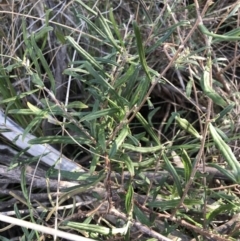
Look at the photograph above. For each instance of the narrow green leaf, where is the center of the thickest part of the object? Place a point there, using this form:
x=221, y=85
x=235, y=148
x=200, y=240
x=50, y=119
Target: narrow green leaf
x=164, y=204
x=18, y=215
x=7, y=91
x=226, y=172
x=209, y=91
x=123, y=80
x=37, y=80
x=222, y=209
x=187, y=165
x=222, y=134
x=74, y=176
x=94, y=228
x=174, y=174
x=148, y=128
x=115, y=27
x=92, y=25
x=226, y=151
x=77, y=104
x=84, y=53
x=23, y=183
x=139, y=94
x=151, y=114
x=34, y=109
x=21, y=112
x=142, y=149
x=147, y=163
x=29, y=49
x=20, y=96
x=42, y=32
x=35, y=122
x=100, y=113
x=90, y=10
x=119, y=140
x=225, y=111
x=131, y=81
x=170, y=204
x=77, y=190
x=59, y=140
x=102, y=138
x=43, y=114
x=94, y=161
x=169, y=122
x=130, y=165
x=140, y=48
x=60, y=36
x=103, y=83
x=232, y=36
x=129, y=199
x=145, y=10
x=185, y=125
x=191, y=220
x=108, y=31
x=142, y=217
x=45, y=65
x=189, y=88
x=108, y=59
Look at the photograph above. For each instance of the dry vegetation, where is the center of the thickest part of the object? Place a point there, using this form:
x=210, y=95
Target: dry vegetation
x=143, y=97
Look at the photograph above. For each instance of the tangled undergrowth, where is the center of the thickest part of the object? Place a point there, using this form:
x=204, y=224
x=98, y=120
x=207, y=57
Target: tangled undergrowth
x=143, y=97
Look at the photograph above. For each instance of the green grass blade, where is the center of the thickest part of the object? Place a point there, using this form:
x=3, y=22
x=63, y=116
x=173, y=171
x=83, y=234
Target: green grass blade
x=141, y=51
x=170, y=204
x=118, y=141
x=59, y=140
x=7, y=91
x=226, y=172
x=92, y=25
x=130, y=165
x=90, y=10
x=142, y=149
x=35, y=122
x=145, y=10
x=174, y=174
x=148, y=128
x=125, y=79
x=43, y=32
x=101, y=113
x=18, y=215
x=108, y=31
x=115, y=27
x=211, y=93
x=20, y=96
x=226, y=151
x=225, y=111
x=44, y=63
x=29, y=50
x=142, y=217
x=140, y=92
x=185, y=125
x=230, y=36
x=187, y=165
x=84, y=53
x=221, y=209
x=94, y=228
x=129, y=199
